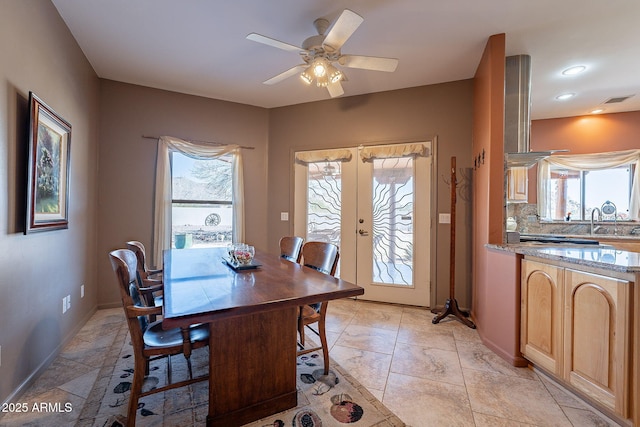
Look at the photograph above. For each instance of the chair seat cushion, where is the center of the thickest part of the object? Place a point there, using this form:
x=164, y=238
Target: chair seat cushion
x=309, y=314
x=155, y=336
x=199, y=332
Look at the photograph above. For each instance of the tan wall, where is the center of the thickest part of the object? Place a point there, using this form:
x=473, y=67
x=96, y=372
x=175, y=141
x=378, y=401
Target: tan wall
x=39, y=54
x=127, y=162
x=443, y=110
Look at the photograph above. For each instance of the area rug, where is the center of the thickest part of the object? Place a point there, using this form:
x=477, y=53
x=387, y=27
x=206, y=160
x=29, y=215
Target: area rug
x=336, y=399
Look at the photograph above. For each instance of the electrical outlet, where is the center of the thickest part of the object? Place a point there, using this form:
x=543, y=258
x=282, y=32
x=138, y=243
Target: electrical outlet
x=284, y=216
x=64, y=305
x=68, y=302
x=81, y=291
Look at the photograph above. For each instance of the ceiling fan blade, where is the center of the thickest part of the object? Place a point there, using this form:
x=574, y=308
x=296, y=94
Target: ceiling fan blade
x=374, y=63
x=346, y=24
x=273, y=42
x=335, y=89
x=285, y=75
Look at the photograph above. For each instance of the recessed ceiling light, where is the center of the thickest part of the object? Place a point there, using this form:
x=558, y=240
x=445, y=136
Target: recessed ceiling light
x=572, y=71
x=565, y=96
x=596, y=111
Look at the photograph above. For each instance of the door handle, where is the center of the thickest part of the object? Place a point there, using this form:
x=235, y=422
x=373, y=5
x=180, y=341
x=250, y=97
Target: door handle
x=363, y=232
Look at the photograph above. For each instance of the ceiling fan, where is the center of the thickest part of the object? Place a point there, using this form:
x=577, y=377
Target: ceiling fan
x=321, y=52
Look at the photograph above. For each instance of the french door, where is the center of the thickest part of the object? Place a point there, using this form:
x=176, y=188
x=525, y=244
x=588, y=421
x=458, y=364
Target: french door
x=374, y=203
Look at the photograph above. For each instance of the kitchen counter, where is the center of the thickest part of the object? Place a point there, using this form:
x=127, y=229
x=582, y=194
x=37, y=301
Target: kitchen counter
x=598, y=256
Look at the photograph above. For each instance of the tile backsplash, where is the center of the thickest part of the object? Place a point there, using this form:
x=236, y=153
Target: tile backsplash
x=526, y=215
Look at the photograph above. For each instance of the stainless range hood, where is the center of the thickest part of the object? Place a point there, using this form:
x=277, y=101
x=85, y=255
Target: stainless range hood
x=517, y=116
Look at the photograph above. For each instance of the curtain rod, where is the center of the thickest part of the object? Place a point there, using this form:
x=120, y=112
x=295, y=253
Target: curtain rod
x=205, y=142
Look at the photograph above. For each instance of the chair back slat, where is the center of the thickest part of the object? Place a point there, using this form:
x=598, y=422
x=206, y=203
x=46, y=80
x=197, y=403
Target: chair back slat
x=321, y=256
x=138, y=249
x=124, y=264
x=291, y=248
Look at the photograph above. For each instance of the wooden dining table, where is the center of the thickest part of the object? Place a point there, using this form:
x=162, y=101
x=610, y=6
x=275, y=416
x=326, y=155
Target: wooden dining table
x=252, y=316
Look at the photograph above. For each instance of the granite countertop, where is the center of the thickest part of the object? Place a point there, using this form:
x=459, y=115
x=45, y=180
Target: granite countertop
x=598, y=256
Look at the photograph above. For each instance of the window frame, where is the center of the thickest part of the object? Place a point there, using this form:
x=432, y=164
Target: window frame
x=583, y=190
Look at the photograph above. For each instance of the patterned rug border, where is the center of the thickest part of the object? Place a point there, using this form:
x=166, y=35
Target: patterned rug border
x=92, y=405
x=391, y=419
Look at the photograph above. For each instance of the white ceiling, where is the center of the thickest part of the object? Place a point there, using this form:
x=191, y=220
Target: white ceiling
x=198, y=46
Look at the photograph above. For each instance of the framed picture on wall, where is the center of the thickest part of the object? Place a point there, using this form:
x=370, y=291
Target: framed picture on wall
x=48, y=168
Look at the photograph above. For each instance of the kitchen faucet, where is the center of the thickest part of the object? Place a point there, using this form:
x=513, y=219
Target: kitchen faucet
x=599, y=218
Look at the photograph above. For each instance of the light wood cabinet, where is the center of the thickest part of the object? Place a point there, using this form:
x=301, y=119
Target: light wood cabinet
x=541, y=314
x=597, y=327
x=517, y=182
x=577, y=326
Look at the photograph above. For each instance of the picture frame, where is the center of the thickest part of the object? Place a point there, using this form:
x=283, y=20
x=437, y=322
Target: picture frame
x=48, y=168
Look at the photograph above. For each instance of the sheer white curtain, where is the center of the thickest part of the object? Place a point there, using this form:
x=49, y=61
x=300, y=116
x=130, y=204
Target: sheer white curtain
x=195, y=150
x=595, y=161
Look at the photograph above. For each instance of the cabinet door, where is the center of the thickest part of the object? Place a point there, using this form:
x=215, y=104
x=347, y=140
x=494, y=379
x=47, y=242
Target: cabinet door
x=597, y=354
x=541, y=315
x=517, y=182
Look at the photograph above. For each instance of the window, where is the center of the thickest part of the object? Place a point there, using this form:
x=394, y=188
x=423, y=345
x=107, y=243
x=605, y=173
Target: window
x=578, y=184
x=201, y=201
x=578, y=192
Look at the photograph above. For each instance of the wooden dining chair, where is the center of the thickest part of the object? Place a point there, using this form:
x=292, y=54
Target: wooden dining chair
x=291, y=248
x=323, y=257
x=150, y=284
x=141, y=255
x=149, y=340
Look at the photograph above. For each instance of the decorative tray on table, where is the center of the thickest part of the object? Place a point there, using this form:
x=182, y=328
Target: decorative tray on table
x=238, y=267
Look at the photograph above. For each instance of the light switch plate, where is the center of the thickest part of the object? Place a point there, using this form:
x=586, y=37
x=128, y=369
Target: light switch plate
x=444, y=218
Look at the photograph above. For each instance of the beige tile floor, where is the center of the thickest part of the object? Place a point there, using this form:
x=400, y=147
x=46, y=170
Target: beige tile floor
x=428, y=375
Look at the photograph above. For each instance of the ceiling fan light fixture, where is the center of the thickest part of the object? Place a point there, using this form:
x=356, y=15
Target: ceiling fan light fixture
x=322, y=81
x=322, y=51
x=307, y=76
x=335, y=75
x=320, y=67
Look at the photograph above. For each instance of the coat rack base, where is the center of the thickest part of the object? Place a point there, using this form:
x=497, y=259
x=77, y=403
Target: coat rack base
x=451, y=308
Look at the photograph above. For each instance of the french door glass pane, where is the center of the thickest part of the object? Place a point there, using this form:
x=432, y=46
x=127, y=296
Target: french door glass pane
x=393, y=195
x=324, y=202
